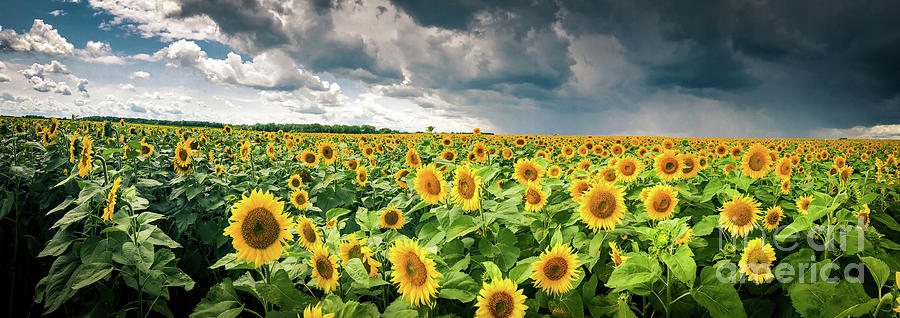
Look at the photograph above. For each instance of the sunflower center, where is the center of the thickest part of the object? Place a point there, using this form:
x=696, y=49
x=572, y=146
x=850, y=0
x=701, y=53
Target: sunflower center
x=144, y=149
x=501, y=305
x=300, y=198
x=555, y=268
x=772, y=218
x=391, y=217
x=604, y=205
x=757, y=161
x=466, y=188
x=324, y=267
x=309, y=234
x=529, y=174
x=432, y=185
x=295, y=183
x=804, y=205
x=688, y=166
x=355, y=252
x=785, y=169
x=260, y=229
x=661, y=204
x=580, y=188
x=670, y=166
x=533, y=196
x=415, y=269
x=741, y=214
x=182, y=154
x=628, y=169
x=610, y=176
x=309, y=158
x=327, y=152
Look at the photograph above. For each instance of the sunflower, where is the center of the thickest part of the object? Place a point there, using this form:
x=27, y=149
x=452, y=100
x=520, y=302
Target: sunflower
x=328, y=152
x=500, y=299
x=430, y=184
x=602, y=206
x=756, y=261
x=845, y=173
x=773, y=218
x=554, y=272
x=803, y=204
x=85, y=164
x=392, y=218
x=146, y=149
x=577, y=189
x=324, y=268
x=300, y=199
x=863, y=215
x=258, y=227
x=111, y=200
x=182, y=159
x=309, y=234
x=414, y=274
x=689, y=165
x=356, y=248
x=506, y=153
x=535, y=198
x=686, y=237
x=668, y=166
x=480, y=152
x=294, y=182
x=466, y=188
x=661, y=201
x=756, y=162
x=616, y=254
x=314, y=311
x=628, y=169
x=398, y=178
x=739, y=215
x=309, y=158
x=351, y=164
x=219, y=169
x=449, y=155
x=783, y=168
x=554, y=171
x=527, y=171
x=786, y=186
x=362, y=176
x=413, y=159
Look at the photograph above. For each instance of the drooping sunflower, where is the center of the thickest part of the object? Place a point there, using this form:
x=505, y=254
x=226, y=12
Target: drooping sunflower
x=668, y=166
x=300, y=199
x=628, y=169
x=258, y=228
x=773, y=218
x=689, y=165
x=324, y=268
x=466, y=190
x=362, y=176
x=414, y=274
x=784, y=168
x=392, y=218
x=412, y=158
x=577, y=189
x=863, y=216
x=602, y=206
x=146, y=149
x=527, y=171
x=328, y=152
x=554, y=272
x=430, y=184
x=686, y=237
x=500, y=299
x=803, y=204
x=85, y=163
x=740, y=215
x=351, y=248
x=309, y=234
x=756, y=261
x=111, y=200
x=295, y=182
x=182, y=159
x=661, y=201
x=535, y=198
x=756, y=162
x=616, y=254
x=398, y=178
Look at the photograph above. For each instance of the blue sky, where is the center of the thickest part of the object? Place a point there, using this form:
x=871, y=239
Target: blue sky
x=717, y=68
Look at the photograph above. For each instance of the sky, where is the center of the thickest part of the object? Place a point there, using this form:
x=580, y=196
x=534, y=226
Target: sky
x=714, y=68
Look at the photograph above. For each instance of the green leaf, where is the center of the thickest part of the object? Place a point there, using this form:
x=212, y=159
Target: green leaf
x=90, y=273
x=335, y=213
x=570, y=305
x=682, y=264
x=220, y=299
x=355, y=269
x=491, y=271
x=710, y=190
x=462, y=225
x=721, y=299
x=74, y=215
x=706, y=225
x=639, y=270
x=825, y=299
x=400, y=308
x=459, y=286
x=58, y=244
x=878, y=268
x=22, y=172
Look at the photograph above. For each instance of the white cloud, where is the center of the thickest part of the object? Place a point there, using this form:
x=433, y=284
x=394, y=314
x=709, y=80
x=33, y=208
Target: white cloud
x=127, y=87
x=38, y=76
x=149, y=19
x=99, y=52
x=139, y=74
x=891, y=131
x=56, y=13
x=271, y=70
x=4, y=78
x=41, y=38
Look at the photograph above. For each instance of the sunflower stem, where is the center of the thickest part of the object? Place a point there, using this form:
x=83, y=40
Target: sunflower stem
x=668, y=292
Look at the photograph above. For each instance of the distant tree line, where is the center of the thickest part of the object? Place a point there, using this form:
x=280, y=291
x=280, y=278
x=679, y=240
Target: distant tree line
x=304, y=128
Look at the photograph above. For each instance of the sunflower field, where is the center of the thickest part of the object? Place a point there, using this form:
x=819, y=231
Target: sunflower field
x=118, y=219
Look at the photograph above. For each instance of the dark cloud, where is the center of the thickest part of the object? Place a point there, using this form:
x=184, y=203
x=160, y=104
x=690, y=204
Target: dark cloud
x=241, y=18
